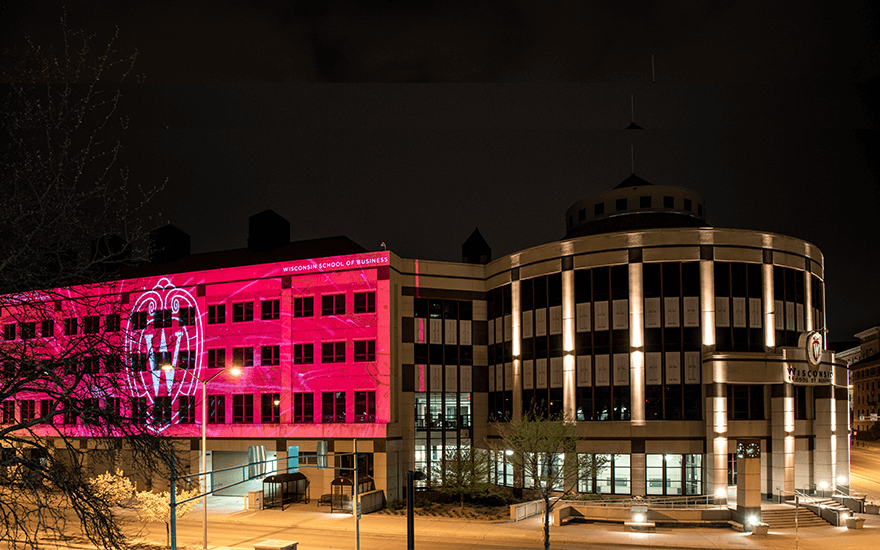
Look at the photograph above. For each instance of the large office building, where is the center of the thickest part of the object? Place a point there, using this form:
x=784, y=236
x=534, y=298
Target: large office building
x=666, y=340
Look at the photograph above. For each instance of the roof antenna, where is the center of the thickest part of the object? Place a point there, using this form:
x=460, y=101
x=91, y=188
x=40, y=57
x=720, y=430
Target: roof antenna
x=632, y=110
x=653, y=72
x=632, y=159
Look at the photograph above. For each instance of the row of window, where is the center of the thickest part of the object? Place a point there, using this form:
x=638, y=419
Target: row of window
x=364, y=302
x=331, y=352
x=162, y=412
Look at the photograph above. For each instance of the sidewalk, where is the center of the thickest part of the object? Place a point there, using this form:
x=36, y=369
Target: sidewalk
x=498, y=534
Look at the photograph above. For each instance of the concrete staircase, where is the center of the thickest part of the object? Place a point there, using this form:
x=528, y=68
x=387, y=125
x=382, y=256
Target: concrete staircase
x=783, y=518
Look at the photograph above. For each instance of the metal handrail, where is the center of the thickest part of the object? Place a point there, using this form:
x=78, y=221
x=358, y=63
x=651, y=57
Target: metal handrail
x=690, y=501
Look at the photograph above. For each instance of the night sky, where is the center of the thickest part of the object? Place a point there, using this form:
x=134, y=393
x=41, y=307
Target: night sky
x=414, y=125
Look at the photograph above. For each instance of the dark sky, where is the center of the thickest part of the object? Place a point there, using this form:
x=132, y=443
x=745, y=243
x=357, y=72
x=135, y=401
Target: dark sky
x=413, y=125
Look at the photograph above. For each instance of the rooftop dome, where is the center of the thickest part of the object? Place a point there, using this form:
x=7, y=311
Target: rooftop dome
x=635, y=204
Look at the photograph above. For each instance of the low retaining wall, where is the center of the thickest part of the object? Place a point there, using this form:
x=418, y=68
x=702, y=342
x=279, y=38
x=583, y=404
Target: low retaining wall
x=620, y=514
x=372, y=501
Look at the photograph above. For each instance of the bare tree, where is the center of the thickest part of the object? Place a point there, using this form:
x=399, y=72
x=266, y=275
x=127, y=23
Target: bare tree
x=462, y=472
x=543, y=452
x=68, y=219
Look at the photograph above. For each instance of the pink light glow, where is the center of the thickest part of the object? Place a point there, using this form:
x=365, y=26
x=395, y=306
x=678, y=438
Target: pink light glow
x=291, y=284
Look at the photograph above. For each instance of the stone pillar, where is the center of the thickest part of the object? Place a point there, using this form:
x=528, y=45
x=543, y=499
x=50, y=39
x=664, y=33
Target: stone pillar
x=569, y=381
x=825, y=443
x=716, y=435
x=782, y=432
x=637, y=344
x=516, y=347
x=748, y=481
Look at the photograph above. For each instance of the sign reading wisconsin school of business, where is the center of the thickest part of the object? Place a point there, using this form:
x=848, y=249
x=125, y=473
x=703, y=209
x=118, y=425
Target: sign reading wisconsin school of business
x=812, y=372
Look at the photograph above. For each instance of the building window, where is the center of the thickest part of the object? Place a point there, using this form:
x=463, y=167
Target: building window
x=162, y=411
x=111, y=409
x=9, y=332
x=365, y=302
x=138, y=411
x=47, y=329
x=162, y=318
x=270, y=309
x=216, y=409
x=333, y=407
x=28, y=331
x=139, y=320
x=217, y=314
x=28, y=410
x=162, y=358
x=304, y=307
x=186, y=409
x=745, y=402
x=91, y=364
x=139, y=362
x=599, y=208
x=270, y=408
x=216, y=358
x=333, y=352
x=242, y=312
x=620, y=204
x=365, y=351
x=7, y=412
x=91, y=413
x=186, y=359
x=270, y=355
x=668, y=202
x=91, y=324
x=672, y=474
x=303, y=354
x=303, y=408
x=242, y=357
x=46, y=410
x=112, y=322
x=243, y=408
x=364, y=406
x=186, y=317
x=614, y=478
x=70, y=326
x=333, y=305
x=687, y=204
x=645, y=202
x=112, y=363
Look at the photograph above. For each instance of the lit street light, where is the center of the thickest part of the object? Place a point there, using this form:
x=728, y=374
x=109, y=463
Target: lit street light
x=204, y=459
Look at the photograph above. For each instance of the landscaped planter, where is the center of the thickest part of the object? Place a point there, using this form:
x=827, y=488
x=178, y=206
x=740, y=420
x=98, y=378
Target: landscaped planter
x=760, y=529
x=855, y=523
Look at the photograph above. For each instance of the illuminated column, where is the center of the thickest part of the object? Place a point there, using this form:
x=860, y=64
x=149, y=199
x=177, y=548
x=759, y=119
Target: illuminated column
x=637, y=344
x=824, y=430
x=808, y=298
x=843, y=435
x=569, y=401
x=769, y=309
x=707, y=301
x=516, y=324
x=716, y=387
x=782, y=430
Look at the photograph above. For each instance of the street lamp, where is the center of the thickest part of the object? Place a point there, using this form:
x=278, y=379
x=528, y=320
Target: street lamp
x=204, y=466
x=410, y=496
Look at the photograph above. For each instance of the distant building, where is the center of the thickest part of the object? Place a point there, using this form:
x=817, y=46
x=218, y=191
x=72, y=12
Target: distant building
x=865, y=380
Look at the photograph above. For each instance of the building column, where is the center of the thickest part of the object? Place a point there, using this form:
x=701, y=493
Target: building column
x=569, y=382
x=769, y=308
x=637, y=344
x=782, y=433
x=715, y=385
x=824, y=450
x=516, y=348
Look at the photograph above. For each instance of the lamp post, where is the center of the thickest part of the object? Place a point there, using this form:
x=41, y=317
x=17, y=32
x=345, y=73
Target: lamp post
x=410, y=495
x=204, y=459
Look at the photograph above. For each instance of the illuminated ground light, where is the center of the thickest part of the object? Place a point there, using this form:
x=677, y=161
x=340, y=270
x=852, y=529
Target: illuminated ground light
x=639, y=518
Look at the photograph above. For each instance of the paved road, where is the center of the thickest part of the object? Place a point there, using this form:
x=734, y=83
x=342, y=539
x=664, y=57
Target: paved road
x=865, y=471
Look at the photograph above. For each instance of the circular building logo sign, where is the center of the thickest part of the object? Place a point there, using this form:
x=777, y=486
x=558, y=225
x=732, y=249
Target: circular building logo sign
x=814, y=348
x=164, y=329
